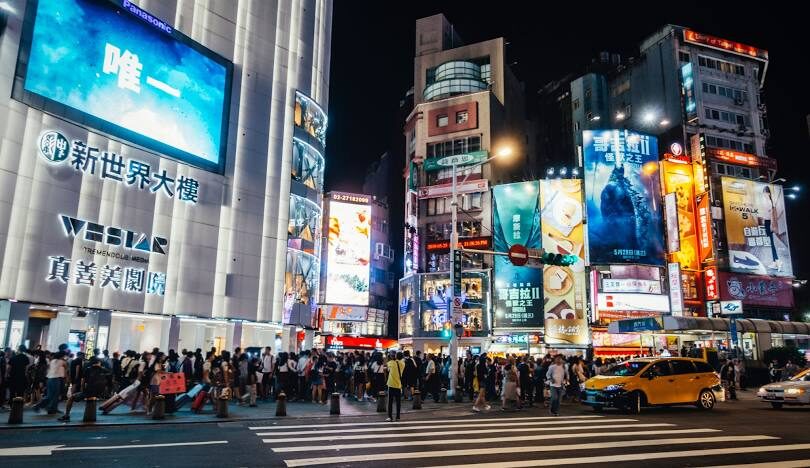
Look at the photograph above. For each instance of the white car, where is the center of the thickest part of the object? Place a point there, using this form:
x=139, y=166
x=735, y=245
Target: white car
x=795, y=391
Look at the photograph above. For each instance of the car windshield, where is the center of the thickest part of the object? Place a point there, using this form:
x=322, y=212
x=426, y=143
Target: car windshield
x=626, y=369
x=803, y=376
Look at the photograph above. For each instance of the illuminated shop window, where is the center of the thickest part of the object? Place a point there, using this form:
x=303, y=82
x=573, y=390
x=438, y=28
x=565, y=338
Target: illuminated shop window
x=310, y=117
x=307, y=165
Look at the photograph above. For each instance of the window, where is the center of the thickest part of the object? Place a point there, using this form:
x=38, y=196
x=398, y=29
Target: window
x=453, y=147
x=726, y=116
x=682, y=366
x=721, y=65
x=576, y=104
x=472, y=202
x=738, y=95
x=461, y=117
x=588, y=93
x=659, y=369
x=441, y=120
x=683, y=56
x=703, y=367
x=721, y=169
x=744, y=172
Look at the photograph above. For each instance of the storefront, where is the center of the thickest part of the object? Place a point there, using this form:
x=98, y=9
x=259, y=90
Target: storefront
x=337, y=343
x=753, y=336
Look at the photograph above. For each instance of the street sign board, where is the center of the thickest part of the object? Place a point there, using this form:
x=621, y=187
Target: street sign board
x=731, y=308
x=518, y=254
x=434, y=164
x=457, y=273
x=457, y=309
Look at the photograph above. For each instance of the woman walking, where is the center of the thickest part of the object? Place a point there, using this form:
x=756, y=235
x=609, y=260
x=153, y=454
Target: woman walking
x=481, y=375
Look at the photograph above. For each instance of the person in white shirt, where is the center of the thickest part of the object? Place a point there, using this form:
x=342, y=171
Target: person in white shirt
x=557, y=377
x=57, y=372
x=268, y=361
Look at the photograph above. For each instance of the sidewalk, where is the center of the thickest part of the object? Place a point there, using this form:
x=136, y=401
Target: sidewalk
x=265, y=410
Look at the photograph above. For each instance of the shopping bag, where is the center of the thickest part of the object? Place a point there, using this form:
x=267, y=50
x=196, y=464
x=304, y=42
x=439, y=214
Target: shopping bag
x=172, y=383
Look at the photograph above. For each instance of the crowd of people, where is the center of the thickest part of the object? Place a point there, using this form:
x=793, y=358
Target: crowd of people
x=44, y=378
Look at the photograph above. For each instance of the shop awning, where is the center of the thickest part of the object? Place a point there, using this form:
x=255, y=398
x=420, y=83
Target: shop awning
x=705, y=324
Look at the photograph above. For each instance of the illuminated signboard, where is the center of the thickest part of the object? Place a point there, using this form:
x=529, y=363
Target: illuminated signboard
x=678, y=185
x=357, y=342
x=349, y=249
x=444, y=190
x=736, y=157
x=117, y=69
x=443, y=246
x=704, y=228
x=630, y=285
x=712, y=293
x=675, y=288
x=756, y=228
x=671, y=216
x=688, y=92
x=632, y=302
x=516, y=220
x=622, y=197
x=563, y=230
x=724, y=44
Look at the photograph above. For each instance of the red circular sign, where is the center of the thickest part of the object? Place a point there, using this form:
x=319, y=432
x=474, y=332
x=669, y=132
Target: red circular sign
x=518, y=254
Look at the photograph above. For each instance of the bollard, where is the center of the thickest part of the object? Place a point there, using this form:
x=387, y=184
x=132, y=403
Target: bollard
x=334, y=404
x=381, y=406
x=222, y=406
x=90, y=405
x=159, y=407
x=417, y=399
x=281, y=404
x=443, y=395
x=16, y=414
x=458, y=397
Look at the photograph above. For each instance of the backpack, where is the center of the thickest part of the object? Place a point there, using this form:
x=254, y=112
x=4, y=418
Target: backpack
x=132, y=371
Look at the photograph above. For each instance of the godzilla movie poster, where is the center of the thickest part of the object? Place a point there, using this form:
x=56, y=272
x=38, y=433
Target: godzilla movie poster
x=622, y=197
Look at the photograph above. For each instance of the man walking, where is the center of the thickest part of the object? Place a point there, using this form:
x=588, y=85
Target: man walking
x=94, y=380
x=395, y=368
x=268, y=363
x=558, y=380
x=57, y=371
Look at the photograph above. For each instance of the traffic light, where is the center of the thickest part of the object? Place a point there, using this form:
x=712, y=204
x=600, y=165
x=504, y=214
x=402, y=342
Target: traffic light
x=447, y=331
x=548, y=258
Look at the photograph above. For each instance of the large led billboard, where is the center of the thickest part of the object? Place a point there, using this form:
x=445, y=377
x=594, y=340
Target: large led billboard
x=348, y=253
x=678, y=179
x=516, y=220
x=756, y=228
x=622, y=197
x=562, y=227
x=115, y=68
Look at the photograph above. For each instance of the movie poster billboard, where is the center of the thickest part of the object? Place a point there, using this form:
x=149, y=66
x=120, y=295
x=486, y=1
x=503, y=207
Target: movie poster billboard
x=756, y=228
x=563, y=287
x=678, y=179
x=516, y=220
x=622, y=197
x=349, y=249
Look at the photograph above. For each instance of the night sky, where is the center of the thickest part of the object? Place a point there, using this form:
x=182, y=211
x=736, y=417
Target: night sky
x=372, y=67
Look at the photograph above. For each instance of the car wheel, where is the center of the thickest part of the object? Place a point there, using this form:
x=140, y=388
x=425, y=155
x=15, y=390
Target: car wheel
x=706, y=400
x=597, y=409
x=777, y=405
x=634, y=403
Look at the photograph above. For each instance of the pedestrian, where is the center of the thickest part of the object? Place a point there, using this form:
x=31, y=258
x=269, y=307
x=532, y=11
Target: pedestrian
x=94, y=381
x=558, y=380
x=727, y=378
x=17, y=374
x=330, y=373
x=268, y=365
x=317, y=380
x=395, y=368
x=481, y=375
x=790, y=370
x=359, y=373
x=431, y=377
x=739, y=374
x=511, y=392
x=57, y=372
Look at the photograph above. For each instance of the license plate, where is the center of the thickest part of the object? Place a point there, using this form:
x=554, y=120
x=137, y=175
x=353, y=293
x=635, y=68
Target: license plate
x=771, y=396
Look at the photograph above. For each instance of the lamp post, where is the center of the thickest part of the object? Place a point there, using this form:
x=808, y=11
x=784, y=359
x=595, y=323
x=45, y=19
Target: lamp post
x=453, y=348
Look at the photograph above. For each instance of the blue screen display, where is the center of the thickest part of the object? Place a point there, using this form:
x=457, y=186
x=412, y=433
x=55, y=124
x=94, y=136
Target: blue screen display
x=130, y=75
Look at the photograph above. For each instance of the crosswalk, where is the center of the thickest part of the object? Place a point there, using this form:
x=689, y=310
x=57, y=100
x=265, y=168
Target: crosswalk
x=513, y=442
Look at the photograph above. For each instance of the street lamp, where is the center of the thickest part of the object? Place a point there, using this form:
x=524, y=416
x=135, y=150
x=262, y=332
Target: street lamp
x=503, y=151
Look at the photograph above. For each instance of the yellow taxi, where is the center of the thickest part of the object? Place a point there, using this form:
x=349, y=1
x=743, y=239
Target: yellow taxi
x=641, y=382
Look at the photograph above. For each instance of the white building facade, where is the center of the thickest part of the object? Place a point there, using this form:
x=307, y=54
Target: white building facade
x=112, y=240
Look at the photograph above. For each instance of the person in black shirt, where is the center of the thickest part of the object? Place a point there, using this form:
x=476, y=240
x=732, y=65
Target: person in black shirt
x=93, y=382
x=329, y=373
x=481, y=374
x=75, y=370
x=469, y=372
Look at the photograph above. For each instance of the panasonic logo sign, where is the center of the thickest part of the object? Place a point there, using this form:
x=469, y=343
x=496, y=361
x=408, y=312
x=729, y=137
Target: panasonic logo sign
x=113, y=236
x=147, y=17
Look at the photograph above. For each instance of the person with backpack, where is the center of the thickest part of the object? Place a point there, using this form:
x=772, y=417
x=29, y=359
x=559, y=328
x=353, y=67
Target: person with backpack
x=395, y=368
x=408, y=376
x=93, y=384
x=359, y=372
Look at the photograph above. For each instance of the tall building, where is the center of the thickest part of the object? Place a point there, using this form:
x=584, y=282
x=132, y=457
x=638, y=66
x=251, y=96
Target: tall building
x=466, y=101
x=162, y=176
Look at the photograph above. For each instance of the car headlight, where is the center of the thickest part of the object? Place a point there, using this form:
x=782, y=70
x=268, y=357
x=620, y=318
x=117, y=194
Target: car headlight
x=614, y=387
x=794, y=391
x=762, y=390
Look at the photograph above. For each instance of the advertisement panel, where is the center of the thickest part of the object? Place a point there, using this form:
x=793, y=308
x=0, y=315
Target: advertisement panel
x=675, y=288
x=333, y=343
x=688, y=92
x=710, y=277
x=630, y=285
x=704, y=228
x=756, y=228
x=562, y=232
x=435, y=301
x=622, y=197
x=348, y=252
x=678, y=180
x=516, y=220
x=756, y=290
x=126, y=73
x=633, y=302
x=345, y=313
x=671, y=217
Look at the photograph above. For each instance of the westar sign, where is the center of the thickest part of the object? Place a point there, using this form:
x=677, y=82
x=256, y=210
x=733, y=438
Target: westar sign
x=114, y=236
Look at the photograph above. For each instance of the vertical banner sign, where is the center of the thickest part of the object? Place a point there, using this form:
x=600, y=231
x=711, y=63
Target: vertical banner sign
x=675, y=288
x=688, y=92
x=678, y=181
x=516, y=220
x=756, y=228
x=710, y=275
x=704, y=228
x=671, y=216
x=622, y=197
x=562, y=231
